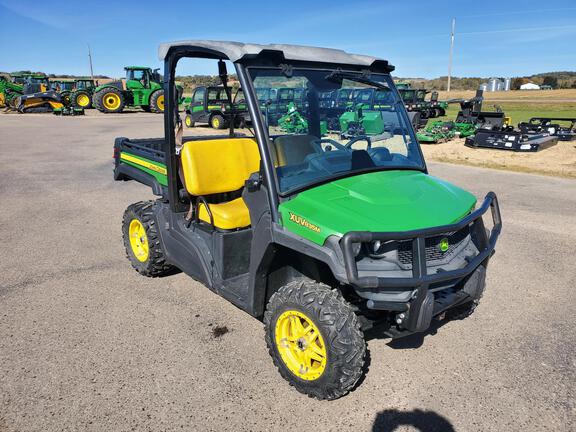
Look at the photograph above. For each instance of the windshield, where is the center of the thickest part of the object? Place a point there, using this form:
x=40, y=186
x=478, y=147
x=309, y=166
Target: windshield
x=327, y=124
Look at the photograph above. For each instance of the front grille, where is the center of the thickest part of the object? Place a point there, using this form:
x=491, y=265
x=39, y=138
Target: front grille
x=433, y=251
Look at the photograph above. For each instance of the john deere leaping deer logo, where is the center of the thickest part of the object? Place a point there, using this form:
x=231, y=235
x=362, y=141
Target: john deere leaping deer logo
x=301, y=221
x=444, y=245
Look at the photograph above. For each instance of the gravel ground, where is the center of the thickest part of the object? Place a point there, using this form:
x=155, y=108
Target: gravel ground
x=88, y=344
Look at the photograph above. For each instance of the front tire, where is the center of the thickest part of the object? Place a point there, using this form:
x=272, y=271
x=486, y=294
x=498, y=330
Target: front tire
x=157, y=102
x=314, y=338
x=142, y=240
x=188, y=121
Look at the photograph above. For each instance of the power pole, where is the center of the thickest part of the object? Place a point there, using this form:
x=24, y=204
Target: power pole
x=90, y=59
x=451, y=53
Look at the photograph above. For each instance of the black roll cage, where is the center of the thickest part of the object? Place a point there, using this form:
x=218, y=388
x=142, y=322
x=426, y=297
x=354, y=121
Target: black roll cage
x=266, y=58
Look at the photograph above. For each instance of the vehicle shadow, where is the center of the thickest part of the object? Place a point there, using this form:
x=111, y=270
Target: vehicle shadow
x=391, y=420
x=412, y=341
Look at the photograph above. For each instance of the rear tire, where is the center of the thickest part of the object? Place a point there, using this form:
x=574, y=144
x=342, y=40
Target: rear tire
x=217, y=122
x=331, y=324
x=109, y=100
x=142, y=240
x=157, y=102
x=81, y=99
x=65, y=98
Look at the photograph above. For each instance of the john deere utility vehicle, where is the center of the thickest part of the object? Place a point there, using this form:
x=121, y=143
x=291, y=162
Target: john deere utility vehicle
x=320, y=237
x=143, y=88
x=211, y=105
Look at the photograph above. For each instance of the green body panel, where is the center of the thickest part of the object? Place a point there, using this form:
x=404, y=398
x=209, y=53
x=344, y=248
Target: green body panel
x=155, y=169
x=380, y=201
x=140, y=95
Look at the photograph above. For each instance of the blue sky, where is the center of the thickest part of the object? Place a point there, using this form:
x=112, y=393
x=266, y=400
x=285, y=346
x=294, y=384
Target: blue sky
x=492, y=38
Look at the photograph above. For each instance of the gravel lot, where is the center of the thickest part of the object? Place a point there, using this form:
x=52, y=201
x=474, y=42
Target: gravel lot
x=88, y=344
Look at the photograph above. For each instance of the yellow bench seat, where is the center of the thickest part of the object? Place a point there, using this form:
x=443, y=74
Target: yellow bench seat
x=228, y=215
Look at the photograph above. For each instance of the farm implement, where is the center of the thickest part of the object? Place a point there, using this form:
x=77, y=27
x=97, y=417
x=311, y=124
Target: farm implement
x=562, y=128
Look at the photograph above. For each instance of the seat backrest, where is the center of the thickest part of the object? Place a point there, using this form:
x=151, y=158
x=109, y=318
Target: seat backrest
x=218, y=165
x=293, y=149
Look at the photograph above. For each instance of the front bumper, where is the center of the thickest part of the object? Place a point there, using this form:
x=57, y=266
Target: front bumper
x=421, y=308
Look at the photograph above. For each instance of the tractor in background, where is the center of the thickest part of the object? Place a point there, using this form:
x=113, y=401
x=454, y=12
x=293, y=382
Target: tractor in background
x=81, y=96
x=142, y=88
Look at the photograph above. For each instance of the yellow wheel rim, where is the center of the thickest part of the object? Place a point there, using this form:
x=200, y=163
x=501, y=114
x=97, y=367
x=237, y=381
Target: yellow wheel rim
x=111, y=101
x=216, y=122
x=300, y=345
x=188, y=121
x=160, y=102
x=83, y=100
x=138, y=240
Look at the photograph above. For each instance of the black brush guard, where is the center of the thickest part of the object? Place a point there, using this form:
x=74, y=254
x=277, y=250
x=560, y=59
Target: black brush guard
x=421, y=307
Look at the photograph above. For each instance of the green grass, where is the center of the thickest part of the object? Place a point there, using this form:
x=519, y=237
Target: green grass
x=522, y=111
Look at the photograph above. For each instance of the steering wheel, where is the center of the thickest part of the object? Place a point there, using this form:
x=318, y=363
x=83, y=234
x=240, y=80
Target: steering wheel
x=359, y=138
x=331, y=142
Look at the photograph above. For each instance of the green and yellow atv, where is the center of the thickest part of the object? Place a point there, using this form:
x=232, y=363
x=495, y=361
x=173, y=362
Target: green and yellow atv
x=320, y=237
x=209, y=105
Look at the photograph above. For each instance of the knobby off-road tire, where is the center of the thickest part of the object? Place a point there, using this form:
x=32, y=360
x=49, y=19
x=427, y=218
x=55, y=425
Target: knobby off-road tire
x=153, y=263
x=157, y=102
x=81, y=99
x=109, y=100
x=339, y=329
x=189, y=122
x=463, y=311
x=217, y=122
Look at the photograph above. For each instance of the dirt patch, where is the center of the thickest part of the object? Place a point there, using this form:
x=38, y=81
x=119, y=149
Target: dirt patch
x=559, y=160
x=219, y=331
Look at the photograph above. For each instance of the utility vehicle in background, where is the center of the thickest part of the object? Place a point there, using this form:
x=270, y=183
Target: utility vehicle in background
x=210, y=105
x=321, y=237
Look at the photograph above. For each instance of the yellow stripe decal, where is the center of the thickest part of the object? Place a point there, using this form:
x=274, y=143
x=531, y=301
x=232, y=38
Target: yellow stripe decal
x=145, y=164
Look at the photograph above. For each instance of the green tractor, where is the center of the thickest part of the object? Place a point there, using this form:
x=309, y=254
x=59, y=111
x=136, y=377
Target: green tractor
x=64, y=87
x=143, y=88
x=81, y=96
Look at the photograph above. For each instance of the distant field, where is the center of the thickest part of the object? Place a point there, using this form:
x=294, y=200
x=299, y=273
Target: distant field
x=538, y=96
x=523, y=111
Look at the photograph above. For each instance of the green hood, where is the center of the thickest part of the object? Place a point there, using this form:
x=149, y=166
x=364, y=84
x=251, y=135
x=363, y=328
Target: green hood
x=379, y=201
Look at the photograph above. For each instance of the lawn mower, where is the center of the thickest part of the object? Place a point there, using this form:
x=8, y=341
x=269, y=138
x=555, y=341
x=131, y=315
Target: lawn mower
x=320, y=237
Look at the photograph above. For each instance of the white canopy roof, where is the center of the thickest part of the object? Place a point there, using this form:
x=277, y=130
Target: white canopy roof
x=236, y=50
